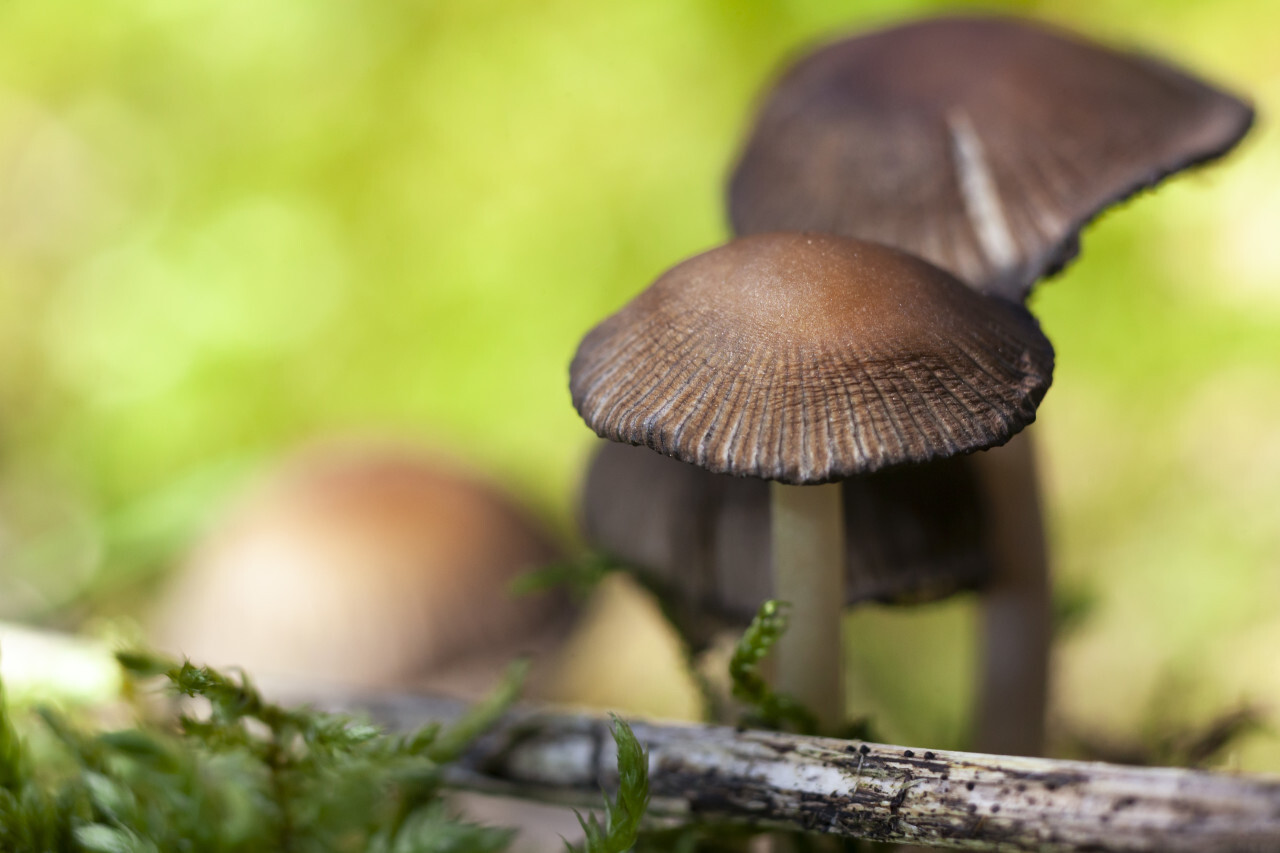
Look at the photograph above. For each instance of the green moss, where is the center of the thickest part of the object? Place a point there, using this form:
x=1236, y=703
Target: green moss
x=768, y=709
x=621, y=828
x=248, y=775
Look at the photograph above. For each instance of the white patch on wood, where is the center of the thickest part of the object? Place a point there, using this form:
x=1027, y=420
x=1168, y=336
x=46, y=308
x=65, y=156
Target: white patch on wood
x=978, y=189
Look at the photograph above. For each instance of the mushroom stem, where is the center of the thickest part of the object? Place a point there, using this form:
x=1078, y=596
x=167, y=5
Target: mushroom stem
x=808, y=572
x=1014, y=677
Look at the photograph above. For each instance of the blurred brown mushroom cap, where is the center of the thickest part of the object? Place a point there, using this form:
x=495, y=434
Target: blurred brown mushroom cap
x=810, y=357
x=363, y=564
x=983, y=145
x=915, y=533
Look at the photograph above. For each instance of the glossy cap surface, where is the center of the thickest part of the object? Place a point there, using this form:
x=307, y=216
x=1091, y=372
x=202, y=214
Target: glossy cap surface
x=809, y=357
x=983, y=145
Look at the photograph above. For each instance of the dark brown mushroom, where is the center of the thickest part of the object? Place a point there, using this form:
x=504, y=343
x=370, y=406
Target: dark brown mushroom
x=983, y=145
x=803, y=359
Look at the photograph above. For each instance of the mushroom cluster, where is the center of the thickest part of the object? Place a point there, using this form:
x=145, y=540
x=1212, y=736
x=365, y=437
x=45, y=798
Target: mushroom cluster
x=972, y=151
x=803, y=359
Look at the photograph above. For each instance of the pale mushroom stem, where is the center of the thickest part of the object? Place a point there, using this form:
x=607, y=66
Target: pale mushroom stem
x=1016, y=608
x=808, y=572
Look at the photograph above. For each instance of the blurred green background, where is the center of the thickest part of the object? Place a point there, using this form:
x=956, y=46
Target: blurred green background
x=229, y=227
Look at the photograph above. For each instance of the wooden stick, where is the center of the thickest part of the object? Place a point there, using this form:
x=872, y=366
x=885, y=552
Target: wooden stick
x=868, y=790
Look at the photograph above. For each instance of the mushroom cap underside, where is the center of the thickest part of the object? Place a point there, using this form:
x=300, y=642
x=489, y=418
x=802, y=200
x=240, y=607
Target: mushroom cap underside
x=914, y=533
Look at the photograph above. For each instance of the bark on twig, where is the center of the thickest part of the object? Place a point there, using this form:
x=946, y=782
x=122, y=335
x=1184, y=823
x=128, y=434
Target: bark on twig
x=869, y=790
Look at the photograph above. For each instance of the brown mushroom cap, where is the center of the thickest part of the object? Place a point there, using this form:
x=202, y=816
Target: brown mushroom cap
x=983, y=145
x=363, y=563
x=810, y=357
x=915, y=533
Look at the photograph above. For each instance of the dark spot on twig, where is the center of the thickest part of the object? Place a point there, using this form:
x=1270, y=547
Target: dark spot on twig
x=909, y=754
x=968, y=786
x=1054, y=781
x=864, y=749
x=929, y=756
x=780, y=747
x=1123, y=803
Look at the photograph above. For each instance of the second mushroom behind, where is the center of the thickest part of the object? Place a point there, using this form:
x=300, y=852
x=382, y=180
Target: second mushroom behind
x=804, y=359
x=701, y=541
x=984, y=144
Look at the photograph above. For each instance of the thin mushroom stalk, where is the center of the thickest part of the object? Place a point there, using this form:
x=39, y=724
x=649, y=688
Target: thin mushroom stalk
x=1016, y=608
x=808, y=573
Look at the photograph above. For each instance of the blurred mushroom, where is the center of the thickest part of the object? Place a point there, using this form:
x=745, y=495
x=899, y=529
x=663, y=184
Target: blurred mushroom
x=803, y=359
x=984, y=145
x=365, y=565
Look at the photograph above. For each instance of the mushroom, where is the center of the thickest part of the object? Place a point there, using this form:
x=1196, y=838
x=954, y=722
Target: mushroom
x=804, y=359
x=365, y=564
x=984, y=145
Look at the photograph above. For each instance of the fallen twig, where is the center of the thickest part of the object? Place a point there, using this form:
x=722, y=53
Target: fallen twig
x=867, y=790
